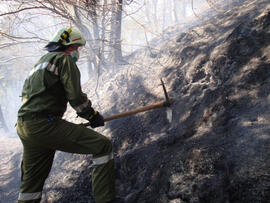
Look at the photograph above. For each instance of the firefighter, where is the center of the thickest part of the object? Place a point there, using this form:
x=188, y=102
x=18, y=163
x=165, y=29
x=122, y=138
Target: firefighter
x=54, y=81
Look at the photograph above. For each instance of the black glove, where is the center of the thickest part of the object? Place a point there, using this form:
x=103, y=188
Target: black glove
x=96, y=120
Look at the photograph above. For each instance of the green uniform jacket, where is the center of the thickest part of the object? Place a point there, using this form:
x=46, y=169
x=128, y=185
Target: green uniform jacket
x=54, y=81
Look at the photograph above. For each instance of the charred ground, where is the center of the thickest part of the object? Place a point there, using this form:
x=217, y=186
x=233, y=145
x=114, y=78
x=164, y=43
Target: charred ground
x=217, y=147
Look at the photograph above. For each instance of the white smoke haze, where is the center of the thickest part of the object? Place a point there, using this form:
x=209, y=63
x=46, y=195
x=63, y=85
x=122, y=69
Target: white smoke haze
x=142, y=21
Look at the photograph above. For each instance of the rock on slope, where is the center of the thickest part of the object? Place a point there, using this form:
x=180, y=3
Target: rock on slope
x=217, y=147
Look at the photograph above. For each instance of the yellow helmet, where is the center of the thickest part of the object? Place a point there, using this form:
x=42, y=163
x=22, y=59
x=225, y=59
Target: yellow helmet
x=68, y=36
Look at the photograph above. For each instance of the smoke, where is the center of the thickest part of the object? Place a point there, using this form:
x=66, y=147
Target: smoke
x=10, y=106
x=143, y=21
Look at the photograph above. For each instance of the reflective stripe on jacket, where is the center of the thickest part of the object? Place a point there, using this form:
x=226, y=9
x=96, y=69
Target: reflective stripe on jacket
x=54, y=81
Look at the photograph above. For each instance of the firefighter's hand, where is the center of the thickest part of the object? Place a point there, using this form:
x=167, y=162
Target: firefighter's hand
x=96, y=120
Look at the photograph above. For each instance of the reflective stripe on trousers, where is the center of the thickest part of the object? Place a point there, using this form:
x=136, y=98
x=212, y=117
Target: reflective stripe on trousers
x=103, y=159
x=29, y=196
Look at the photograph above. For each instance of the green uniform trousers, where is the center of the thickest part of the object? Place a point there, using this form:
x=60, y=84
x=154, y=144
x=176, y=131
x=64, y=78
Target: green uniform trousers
x=42, y=137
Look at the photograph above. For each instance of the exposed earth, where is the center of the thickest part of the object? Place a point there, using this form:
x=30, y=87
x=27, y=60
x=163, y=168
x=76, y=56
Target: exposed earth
x=216, y=150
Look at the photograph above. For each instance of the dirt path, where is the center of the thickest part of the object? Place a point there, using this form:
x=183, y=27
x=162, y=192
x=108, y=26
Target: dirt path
x=10, y=158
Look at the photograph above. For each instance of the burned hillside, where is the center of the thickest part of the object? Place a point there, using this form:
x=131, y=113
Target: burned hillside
x=216, y=148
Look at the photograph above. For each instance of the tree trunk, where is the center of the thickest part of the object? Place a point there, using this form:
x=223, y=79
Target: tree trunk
x=99, y=40
x=183, y=9
x=2, y=121
x=164, y=17
x=115, y=34
x=175, y=9
x=155, y=14
x=92, y=49
x=147, y=12
x=103, y=34
x=169, y=13
x=118, y=30
x=90, y=68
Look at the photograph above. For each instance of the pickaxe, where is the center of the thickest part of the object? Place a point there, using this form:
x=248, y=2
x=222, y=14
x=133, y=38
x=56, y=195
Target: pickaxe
x=167, y=103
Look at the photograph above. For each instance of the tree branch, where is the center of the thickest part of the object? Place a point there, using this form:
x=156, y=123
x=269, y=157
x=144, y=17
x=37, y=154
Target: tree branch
x=19, y=38
x=20, y=10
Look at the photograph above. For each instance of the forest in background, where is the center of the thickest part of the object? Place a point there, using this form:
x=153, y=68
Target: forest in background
x=114, y=29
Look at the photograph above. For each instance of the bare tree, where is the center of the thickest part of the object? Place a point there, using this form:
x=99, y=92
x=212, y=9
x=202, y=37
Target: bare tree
x=183, y=7
x=116, y=30
x=155, y=13
x=2, y=121
x=3, y=89
x=88, y=17
x=175, y=9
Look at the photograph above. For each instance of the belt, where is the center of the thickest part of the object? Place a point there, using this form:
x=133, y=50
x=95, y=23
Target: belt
x=34, y=116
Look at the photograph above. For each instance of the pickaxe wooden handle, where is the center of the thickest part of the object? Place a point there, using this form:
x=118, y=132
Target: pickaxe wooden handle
x=165, y=103
x=138, y=110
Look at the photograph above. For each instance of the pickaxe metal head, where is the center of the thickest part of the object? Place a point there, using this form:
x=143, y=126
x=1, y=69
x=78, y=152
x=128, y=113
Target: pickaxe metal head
x=168, y=102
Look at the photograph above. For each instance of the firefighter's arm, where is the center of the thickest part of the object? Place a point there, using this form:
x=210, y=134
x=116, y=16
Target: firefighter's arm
x=70, y=78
